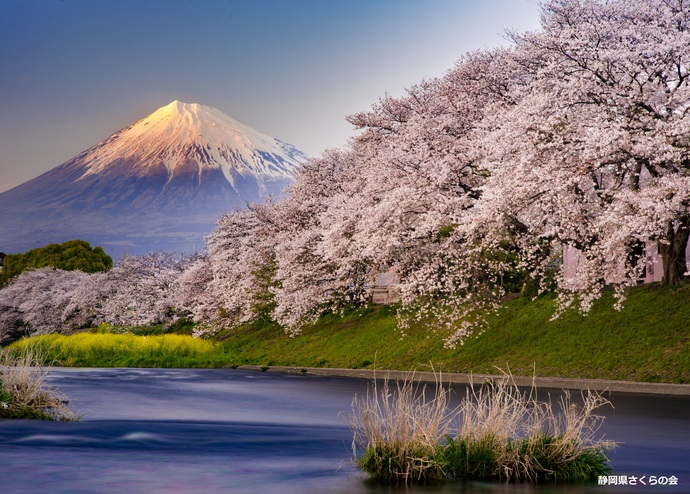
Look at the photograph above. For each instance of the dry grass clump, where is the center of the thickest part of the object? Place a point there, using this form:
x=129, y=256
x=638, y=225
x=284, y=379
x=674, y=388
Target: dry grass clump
x=498, y=432
x=24, y=392
x=401, y=432
x=509, y=434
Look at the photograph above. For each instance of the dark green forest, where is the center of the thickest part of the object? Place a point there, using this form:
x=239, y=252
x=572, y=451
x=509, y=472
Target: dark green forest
x=71, y=255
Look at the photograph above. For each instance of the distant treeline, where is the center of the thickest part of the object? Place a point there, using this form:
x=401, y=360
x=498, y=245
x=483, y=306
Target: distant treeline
x=69, y=256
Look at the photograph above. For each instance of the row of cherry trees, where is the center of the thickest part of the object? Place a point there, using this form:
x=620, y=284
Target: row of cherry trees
x=473, y=184
x=143, y=290
x=578, y=136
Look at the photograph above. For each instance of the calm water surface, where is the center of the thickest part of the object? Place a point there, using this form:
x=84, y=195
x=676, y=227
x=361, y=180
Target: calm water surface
x=218, y=431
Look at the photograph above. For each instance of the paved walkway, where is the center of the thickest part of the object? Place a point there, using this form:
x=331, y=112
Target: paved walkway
x=540, y=382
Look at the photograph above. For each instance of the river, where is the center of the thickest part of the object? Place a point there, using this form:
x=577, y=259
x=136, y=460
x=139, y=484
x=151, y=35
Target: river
x=232, y=431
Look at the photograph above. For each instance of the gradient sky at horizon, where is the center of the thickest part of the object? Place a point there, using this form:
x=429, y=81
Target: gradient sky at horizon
x=75, y=71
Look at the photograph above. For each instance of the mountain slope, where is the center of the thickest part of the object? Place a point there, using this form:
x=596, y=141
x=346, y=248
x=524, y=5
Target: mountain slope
x=158, y=184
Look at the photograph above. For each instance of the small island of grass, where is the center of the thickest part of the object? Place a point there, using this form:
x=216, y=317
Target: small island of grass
x=498, y=432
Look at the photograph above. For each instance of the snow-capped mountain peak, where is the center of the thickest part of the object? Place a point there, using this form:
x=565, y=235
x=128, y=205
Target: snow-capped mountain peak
x=159, y=184
x=180, y=133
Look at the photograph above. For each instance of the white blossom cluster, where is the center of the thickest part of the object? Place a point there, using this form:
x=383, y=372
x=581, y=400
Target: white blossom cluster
x=137, y=291
x=575, y=137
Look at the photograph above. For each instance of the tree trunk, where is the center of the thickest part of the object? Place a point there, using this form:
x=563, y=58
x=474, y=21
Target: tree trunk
x=673, y=251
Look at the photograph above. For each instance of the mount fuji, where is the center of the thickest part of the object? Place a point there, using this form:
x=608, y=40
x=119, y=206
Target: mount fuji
x=159, y=184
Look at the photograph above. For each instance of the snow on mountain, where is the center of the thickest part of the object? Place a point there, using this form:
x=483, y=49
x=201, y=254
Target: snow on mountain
x=179, y=131
x=159, y=184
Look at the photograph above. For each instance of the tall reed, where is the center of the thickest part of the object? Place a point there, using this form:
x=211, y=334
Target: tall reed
x=506, y=433
x=24, y=391
x=401, y=431
x=498, y=432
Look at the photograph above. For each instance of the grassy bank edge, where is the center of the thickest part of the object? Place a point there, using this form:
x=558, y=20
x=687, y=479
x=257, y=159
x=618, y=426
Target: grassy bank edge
x=601, y=385
x=647, y=342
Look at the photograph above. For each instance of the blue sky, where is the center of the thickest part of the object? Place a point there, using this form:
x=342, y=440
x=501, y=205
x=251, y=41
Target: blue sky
x=75, y=71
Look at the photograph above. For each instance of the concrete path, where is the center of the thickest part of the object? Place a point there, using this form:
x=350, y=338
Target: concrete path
x=540, y=382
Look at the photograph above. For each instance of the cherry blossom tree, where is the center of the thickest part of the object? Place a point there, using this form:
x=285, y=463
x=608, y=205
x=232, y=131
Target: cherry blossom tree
x=191, y=295
x=236, y=249
x=629, y=81
x=423, y=175
x=41, y=301
x=140, y=290
x=593, y=155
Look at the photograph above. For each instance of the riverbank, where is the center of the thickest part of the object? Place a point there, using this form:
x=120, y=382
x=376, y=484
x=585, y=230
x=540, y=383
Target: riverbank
x=602, y=385
x=647, y=342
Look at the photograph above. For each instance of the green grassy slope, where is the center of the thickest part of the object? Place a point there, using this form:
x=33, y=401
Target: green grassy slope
x=648, y=341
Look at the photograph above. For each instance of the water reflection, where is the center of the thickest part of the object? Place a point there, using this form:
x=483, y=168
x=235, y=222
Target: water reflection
x=213, y=431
